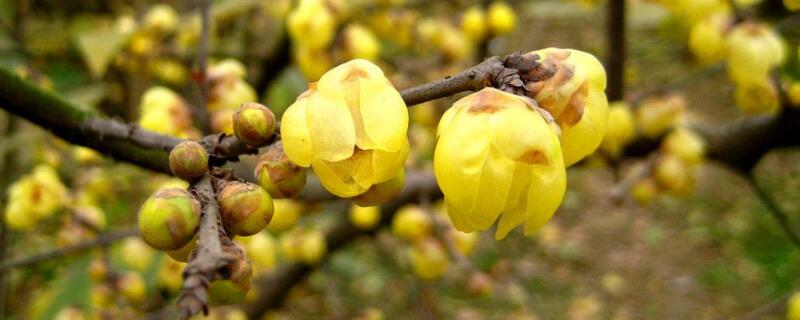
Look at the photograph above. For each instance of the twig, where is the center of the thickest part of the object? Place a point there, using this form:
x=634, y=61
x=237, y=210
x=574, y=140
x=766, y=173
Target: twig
x=775, y=211
x=615, y=24
x=208, y=261
x=200, y=113
x=272, y=289
x=620, y=190
x=101, y=240
x=777, y=306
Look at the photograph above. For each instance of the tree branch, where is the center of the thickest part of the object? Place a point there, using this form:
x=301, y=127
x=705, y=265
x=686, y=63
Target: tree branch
x=774, y=210
x=273, y=288
x=615, y=60
x=208, y=261
x=101, y=240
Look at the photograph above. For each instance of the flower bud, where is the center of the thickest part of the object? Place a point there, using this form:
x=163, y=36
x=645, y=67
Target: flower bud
x=98, y=270
x=234, y=289
x=753, y=50
x=620, y=130
x=304, y=245
x=465, y=242
x=169, y=219
x=793, y=303
x=707, y=38
x=261, y=248
x=253, y=124
x=757, y=96
x=656, y=115
x=136, y=254
x=381, y=192
x=279, y=176
x=793, y=5
x=502, y=18
x=246, y=208
x=474, y=24
x=684, y=144
x=644, y=191
x=188, y=160
x=411, y=223
x=287, y=212
x=673, y=174
x=364, y=218
x=182, y=254
x=480, y=284
x=170, y=275
x=101, y=295
x=311, y=24
x=360, y=43
x=132, y=287
x=428, y=259
x=161, y=18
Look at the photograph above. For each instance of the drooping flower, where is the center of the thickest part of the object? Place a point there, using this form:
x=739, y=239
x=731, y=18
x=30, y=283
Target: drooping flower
x=574, y=93
x=350, y=127
x=497, y=155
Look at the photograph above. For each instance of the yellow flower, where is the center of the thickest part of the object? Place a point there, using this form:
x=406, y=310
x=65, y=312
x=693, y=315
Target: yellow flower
x=411, y=223
x=792, y=5
x=364, y=218
x=360, y=43
x=620, y=129
x=350, y=128
x=502, y=18
x=35, y=196
x=287, y=212
x=707, y=38
x=793, y=304
x=312, y=62
x=228, y=90
x=656, y=115
x=757, y=96
x=428, y=259
x=473, y=23
x=164, y=111
x=575, y=96
x=496, y=154
x=753, y=50
x=311, y=24
x=684, y=144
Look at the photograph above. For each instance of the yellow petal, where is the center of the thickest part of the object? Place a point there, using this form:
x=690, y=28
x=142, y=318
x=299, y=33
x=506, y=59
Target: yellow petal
x=584, y=137
x=295, y=135
x=385, y=165
x=514, y=211
x=518, y=134
x=384, y=114
x=446, y=119
x=547, y=187
x=338, y=177
x=333, y=136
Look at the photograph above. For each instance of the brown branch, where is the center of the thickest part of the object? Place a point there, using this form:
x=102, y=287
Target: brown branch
x=273, y=288
x=101, y=240
x=615, y=23
x=208, y=262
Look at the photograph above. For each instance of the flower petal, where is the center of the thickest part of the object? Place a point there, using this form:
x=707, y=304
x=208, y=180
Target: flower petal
x=333, y=136
x=584, y=137
x=384, y=114
x=385, y=165
x=519, y=134
x=547, y=187
x=295, y=134
x=339, y=177
x=514, y=210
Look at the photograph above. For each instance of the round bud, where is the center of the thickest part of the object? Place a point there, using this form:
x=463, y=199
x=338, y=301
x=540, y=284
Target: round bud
x=136, y=254
x=364, y=218
x=101, y=296
x=169, y=219
x=182, y=254
x=234, y=289
x=132, y=287
x=480, y=284
x=381, y=192
x=97, y=270
x=279, y=176
x=245, y=207
x=253, y=123
x=644, y=191
x=170, y=275
x=411, y=223
x=188, y=160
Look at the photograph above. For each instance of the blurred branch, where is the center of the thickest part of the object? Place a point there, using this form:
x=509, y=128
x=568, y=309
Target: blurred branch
x=775, y=307
x=272, y=289
x=101, y=240
x=774, y=210
x=615, y=24
x=272, y=66
x=200, y=112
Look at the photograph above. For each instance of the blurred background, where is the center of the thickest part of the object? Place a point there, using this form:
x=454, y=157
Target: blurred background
x=623, y=244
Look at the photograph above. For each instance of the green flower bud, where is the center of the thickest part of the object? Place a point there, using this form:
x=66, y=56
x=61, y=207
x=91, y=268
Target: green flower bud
x=188, y=160
x=245, y=207
x=169, y=219
x=279, y=176
x=253, y=123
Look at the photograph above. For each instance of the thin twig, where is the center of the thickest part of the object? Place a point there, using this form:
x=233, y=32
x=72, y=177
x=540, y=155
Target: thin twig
x=201, y=115
x=615, y=23
x=775, y=211
x=101, y=240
